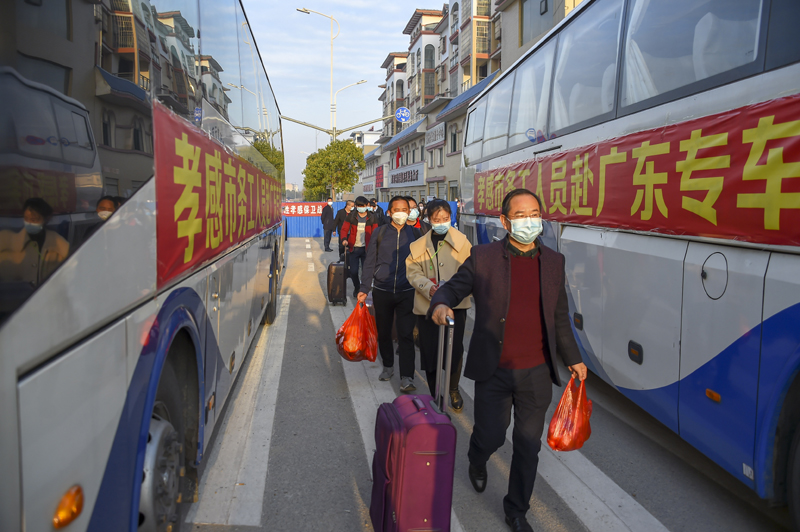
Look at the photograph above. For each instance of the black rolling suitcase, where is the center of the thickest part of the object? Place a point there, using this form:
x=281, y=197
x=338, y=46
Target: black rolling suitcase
x=337, y=281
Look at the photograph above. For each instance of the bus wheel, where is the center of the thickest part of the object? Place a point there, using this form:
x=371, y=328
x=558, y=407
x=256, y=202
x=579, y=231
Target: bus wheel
x=793, y=478
x=160, y=495
x=272, y=306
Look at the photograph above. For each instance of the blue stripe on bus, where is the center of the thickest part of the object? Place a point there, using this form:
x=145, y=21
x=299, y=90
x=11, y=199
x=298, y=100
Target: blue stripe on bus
x=116, y=507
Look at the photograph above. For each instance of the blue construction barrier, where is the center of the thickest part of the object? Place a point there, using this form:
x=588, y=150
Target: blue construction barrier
x=311, y=226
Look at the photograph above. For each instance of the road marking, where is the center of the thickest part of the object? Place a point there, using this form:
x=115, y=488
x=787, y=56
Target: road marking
x=311, y=266
x=308, y=254
x=308, y=246
x=367, y=394
x=307, y=240
x=231, y=491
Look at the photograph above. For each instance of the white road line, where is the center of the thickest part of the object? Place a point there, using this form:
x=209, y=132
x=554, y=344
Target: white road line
x=367, y=394
x=311, y=266
x=308, y=254
x=231, y=491
x=600, y=504
x=307, y=240
x=308, y=246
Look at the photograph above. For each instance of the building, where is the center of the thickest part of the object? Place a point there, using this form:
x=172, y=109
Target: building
x=367, y=177
x=394, y=92
x=367, y=141
x=421, y=66
x=469, y=38
x=523, y=22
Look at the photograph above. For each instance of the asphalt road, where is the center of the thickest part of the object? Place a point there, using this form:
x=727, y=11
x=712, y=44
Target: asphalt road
x=293, y=451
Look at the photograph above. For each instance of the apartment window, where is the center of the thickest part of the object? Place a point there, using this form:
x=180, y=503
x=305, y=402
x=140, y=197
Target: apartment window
x=441, y=156
x=430, y=161
x=453, y=138
x=413, y=156
x=109, y=128
x=429, y=56
x=111, y=186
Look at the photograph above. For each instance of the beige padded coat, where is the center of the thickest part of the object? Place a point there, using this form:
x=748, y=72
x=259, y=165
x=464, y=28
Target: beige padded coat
x=420, y=266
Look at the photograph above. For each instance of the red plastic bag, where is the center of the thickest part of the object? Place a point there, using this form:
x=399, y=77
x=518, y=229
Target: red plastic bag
x=357, y=339
x=569, y=428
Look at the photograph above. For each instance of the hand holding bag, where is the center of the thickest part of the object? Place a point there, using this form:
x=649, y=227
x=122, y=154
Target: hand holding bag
x=569, y=428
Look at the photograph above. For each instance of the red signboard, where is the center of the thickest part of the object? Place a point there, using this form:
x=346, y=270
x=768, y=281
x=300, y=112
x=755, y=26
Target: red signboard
x=734, y=175
x=207, y=198
x=303, y=209
x=379, y=177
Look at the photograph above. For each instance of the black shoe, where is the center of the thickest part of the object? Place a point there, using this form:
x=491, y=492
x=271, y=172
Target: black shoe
x=518, y=524
x=456, y=402
x=328, y=249
x=478, y=476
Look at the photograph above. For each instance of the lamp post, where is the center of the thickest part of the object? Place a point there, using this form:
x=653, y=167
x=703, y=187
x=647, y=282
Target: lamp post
x=338, y=29
x=334, y=100
x=242, y=87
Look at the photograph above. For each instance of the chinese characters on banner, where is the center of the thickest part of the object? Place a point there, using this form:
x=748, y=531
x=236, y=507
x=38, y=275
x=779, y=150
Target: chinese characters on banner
x=207, y=200
x=303, y=209
x=734, y=175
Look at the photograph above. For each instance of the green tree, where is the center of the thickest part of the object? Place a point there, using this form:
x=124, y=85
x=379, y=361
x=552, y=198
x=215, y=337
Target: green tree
x=274, y=156
x=338, y=164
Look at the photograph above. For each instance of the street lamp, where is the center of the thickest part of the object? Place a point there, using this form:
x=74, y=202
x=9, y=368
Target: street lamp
x=337, y=94
x=338, y=29
x=242, y=87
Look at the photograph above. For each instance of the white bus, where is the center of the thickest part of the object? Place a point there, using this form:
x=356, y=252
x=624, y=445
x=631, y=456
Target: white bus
x=663, y=138
x=120, y=337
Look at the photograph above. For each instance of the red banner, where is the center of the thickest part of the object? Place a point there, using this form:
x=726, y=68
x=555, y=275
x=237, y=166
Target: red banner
x=207, y=198
x=735, y=175
x=379, y=177
x=303, y=209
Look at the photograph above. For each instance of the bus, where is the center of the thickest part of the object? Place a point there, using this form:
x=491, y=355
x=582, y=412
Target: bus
x=121, y=335
x=663, y=138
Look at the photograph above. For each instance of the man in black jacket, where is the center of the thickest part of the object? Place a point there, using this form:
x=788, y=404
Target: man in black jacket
x=338, y=220
x=327, y=223
x=393, y=296
x=379, y=214
x=521, y=306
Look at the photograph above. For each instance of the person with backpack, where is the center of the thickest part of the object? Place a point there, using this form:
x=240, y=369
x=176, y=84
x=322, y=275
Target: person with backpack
x=356, y=231
x=393, y=296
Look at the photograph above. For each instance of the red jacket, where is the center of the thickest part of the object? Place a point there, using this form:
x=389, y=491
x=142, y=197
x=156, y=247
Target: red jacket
x=350, y=228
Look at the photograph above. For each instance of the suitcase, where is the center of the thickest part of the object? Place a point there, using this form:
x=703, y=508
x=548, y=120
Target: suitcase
x=337, y=281
x=414, y=460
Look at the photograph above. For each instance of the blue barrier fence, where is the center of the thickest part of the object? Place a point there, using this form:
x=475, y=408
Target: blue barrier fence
x=311, y=226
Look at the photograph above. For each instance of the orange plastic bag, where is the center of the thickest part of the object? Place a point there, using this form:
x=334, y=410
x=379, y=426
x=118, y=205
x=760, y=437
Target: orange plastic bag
x=357, y=339
x=569, y=428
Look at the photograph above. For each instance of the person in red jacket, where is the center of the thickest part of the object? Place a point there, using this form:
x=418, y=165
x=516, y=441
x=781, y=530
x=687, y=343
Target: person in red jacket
x=355, y=234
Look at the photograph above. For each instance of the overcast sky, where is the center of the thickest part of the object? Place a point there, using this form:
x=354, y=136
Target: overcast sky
x=295, y=48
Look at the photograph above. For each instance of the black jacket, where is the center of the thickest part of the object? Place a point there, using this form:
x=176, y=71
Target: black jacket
x=486, y=274
x=387, y=266
x=341, y=214
x=381, y=216
x=327, y=218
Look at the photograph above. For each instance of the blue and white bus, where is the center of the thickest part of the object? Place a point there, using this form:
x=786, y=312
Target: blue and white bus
x=663, y=138
x=120, y=335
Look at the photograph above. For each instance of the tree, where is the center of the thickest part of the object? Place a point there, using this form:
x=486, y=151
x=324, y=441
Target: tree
x=274, y=156
x=337, y=164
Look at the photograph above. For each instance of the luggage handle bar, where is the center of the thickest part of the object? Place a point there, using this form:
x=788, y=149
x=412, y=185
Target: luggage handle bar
x=446, y=356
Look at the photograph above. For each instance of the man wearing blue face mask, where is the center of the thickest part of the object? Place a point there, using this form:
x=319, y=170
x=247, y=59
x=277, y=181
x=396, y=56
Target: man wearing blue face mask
x=520, y=296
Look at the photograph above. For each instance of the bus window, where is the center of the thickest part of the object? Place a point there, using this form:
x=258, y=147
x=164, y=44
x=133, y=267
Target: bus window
x=585, y=66
x=531, y=98
x=674, y=43
x=496, y=128
x=783, y=46
x=472, y=145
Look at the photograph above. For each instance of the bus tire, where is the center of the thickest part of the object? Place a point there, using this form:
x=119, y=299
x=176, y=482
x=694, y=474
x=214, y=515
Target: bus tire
x=163, y=462
x=272, y=306
x=793, y=481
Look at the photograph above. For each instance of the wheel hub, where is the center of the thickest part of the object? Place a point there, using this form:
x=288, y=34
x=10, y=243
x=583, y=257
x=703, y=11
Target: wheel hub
x=158, y=504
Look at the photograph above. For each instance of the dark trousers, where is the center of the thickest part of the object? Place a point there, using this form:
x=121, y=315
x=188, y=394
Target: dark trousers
x=397, y=307
x=341, y=251
x=429, y=348
x=529, y=391
x=328, y=233
x=358, y=256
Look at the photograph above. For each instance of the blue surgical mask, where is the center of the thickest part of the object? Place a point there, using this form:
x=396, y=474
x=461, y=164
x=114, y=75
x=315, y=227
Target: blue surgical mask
x=33, y=229
x=441, y=229
x=525, y=230
x=413, y=215
x=362, y=210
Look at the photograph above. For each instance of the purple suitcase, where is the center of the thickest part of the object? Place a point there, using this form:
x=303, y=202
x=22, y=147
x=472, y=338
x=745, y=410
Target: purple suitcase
x=412, y=469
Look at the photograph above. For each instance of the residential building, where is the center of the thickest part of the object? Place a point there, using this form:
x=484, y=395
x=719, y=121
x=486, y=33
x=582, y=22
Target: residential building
x=366, y=178
x=524, y=22
x=421, y=65
x=367, y=141
x=470, y=22
x=394, y=92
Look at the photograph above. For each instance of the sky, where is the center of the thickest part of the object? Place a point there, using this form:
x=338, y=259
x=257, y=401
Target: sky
x=295, y=48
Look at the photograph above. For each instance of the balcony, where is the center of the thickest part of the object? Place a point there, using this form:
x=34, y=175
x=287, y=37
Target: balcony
x=482, y=8
x=454, y=61
x=120, y=5
x=465, y=86
x=123, y=32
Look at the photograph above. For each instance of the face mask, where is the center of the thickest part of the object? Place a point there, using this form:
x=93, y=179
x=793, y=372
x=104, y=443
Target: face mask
x=525, y=230
x=33, y=229
x=399, y=217
x=362, y=210
x=330, y=203
x=414, y=214
x=440, y=229
x=104, y=215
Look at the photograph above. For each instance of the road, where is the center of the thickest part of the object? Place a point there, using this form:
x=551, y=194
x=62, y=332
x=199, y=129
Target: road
x=294, y=450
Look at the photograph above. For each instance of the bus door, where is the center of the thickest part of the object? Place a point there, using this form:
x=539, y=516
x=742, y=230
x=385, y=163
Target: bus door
x=723, y=291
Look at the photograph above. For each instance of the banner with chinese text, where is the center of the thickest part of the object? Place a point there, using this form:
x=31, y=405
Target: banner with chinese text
x=735, y=175
x=207, y=199
x=303, y=209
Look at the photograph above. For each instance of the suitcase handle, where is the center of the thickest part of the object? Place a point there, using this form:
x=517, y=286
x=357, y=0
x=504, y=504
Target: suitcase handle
x=418, y=403
x=446, y=357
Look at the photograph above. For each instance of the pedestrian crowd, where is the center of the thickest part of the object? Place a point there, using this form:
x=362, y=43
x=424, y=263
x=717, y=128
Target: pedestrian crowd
x=422, y=270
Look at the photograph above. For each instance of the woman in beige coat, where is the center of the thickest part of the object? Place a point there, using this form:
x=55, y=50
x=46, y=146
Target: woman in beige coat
x=433, y=260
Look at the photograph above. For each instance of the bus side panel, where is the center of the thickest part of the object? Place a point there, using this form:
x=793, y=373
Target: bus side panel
x=720, y=347
x=780, y=359
x=642, y=283
x=262, y=252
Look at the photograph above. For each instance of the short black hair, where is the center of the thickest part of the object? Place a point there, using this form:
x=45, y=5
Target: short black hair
x=513, y=194
x=409, y=198
x=112, y=199
x=373, y=202
x=39, y=206
x=436, y=205
x=348, y=202
x=361, y=201
x=397, y=198
x=330, y=199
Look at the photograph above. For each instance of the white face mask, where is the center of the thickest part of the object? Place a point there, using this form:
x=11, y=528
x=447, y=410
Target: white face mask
x=33, y=229
x=414, y=214
x=399, y=217
x=104, y=215
x=330, y=203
